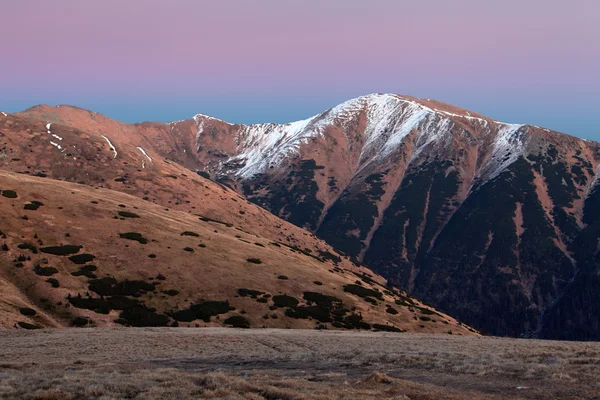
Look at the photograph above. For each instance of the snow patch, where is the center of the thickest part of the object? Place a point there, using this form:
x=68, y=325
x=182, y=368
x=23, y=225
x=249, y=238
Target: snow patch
x=57, y=137
x=144, y=153
x=508, y=146
x=111, y=145
x=48, y=127
x=5, y=114
x=58, y=146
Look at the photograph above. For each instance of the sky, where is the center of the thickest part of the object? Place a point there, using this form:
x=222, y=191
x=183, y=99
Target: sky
x=249, y=61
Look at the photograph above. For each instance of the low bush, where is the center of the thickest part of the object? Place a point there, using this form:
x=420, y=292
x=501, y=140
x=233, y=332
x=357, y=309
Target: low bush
x=283, y=300
x=127, y=214
x=134, y=236
x=44, y=271
x=254, y=260
x=28, y=312
x=237, y=321
x=82, y=258
x=61, y=250
x=11, y=194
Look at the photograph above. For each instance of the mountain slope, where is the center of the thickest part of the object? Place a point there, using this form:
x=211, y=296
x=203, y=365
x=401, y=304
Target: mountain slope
x=76, y=255
x=491, y=222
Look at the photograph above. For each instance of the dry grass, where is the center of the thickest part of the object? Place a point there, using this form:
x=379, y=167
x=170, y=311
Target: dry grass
x=289, y=364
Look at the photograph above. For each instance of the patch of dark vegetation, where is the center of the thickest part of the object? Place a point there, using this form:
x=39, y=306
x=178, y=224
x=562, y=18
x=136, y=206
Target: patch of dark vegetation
x=80, y=322
x=283, y=300
x=133, y=236
x=11, y=194
x=134, y=312
x=480, y=236
x=254, y=260
x=318, y=283
x=26, y=325
x=391, y=310
x=61, y=250
x=294, y=199
x=189, y=249
x=203, y=311
x=282, y=278
x=329, y=256
x=243, y=292
x=237, y=321
x=362, y=291
x=127, y=214
x=82, y=258
x=28, y=246
x=203, y=174
x=53, y=282
x=386, y=328
x=171, y=292
x=31, y=206
x=206, y=219
x=190, y=233
x=109, y=286
x=87, y=271
x=151, y=255
x=353, y=212
x=44, y=271
x=321, y=307
x=28, y=312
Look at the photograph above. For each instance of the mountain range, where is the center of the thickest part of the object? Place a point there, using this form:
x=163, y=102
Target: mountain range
x=495, y=224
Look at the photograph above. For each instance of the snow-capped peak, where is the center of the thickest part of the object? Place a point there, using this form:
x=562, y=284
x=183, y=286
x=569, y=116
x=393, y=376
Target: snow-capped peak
x=390, y=119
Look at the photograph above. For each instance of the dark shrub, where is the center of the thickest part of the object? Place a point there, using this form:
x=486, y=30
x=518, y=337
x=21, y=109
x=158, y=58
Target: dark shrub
x=319, y=313
x=254, y=260
x=25, y=325
x=283, y=300
x=82, y=258
x=171, y=292
x=29, y=312
x=391, y=310
x=318, y=283
x=109, y=286
x=127, y=214
x=140, y=315
x=61, y=250
x=79, y=322
x=237, y=321
x=202, y=245
x=362, y=291
x=151, y=255
x=189, y=233
x=31, y=207
x=354, y=321
x=161, y=277
x=11, y=194
x=134, y=236
x=188, y=249
x=44, y=271
x=249, y=292
x=28, y=246
x=386, y=328
x=53, y=282
x=202, y=311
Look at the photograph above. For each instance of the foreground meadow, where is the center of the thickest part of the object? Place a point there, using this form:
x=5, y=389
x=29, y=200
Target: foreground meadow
x=220, y=363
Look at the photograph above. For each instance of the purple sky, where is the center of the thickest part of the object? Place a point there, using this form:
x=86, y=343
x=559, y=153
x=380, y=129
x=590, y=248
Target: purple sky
x=527, y=61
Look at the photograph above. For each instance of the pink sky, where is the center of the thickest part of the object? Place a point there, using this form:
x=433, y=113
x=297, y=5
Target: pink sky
x=523, y=61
